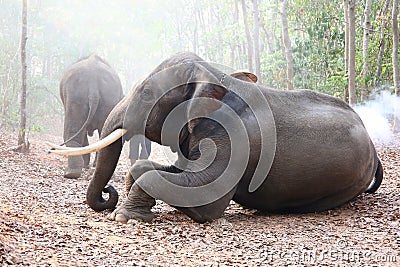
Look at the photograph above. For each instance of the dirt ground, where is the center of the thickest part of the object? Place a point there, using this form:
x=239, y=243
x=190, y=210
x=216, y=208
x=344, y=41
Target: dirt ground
x=44, y=221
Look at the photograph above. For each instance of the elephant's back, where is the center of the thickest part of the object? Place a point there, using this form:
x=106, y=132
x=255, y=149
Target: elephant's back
x=91, y=74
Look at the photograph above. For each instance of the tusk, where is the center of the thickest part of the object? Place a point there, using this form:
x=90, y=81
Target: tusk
x=76, y=151
x=55, y=146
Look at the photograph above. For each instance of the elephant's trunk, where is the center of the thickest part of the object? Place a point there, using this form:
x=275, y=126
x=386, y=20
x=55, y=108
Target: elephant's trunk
x=107, y=159
x=102, y=175
x=110, y=149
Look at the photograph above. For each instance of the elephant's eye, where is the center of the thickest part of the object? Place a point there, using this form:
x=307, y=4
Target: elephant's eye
x=147, y=95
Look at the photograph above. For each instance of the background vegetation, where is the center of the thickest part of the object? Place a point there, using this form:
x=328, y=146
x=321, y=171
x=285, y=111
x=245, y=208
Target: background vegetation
x=135, y=36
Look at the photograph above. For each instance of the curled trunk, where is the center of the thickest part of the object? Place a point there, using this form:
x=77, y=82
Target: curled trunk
x=107, y=159
x=102, y=175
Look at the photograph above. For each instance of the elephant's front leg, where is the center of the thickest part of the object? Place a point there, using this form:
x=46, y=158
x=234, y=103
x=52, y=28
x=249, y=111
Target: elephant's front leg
x=137, y=206
x=86, y=157
x=140, y=167
x=138, y=203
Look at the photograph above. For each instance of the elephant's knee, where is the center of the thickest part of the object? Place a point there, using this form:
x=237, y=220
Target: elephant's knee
x=140, y=167
x=201, y=219
x=200, y=215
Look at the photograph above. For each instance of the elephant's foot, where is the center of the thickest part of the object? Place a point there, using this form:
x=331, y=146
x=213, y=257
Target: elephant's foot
x=72, y=173
x=123, y=215
x=137, y=206
x=86, y=161
x=74, y=168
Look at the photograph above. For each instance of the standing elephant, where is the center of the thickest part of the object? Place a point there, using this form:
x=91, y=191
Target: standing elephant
x=275, y=151
x=89, y=90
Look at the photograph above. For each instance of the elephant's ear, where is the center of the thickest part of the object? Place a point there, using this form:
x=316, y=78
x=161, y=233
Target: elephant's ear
x=207, y=86
x=245, y=76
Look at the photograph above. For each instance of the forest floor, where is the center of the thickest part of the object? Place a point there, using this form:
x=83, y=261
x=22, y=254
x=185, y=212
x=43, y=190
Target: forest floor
x=44, y=221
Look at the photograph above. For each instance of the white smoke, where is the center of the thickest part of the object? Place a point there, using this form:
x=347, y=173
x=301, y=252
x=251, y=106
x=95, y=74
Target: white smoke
x=377, y=115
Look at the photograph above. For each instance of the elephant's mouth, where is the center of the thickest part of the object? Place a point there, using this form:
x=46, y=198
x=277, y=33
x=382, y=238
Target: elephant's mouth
x=76, y=151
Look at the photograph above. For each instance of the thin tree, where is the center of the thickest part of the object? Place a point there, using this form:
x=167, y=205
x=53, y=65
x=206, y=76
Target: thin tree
x=288, y=47
x=365, y=70
x=195, y=31
x=382, y=41
x=395, y=59
x=256, y=30
x=236, y=46
x=352, y=52
x=23, y=144
x=7, y=87
x=248, y=37
x=346, y=48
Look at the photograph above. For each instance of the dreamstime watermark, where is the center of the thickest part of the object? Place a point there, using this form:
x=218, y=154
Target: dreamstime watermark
x=208, y=85
x=341, y=253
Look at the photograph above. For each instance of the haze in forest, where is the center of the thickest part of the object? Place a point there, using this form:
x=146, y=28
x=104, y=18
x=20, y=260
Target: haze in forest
x=135, y=36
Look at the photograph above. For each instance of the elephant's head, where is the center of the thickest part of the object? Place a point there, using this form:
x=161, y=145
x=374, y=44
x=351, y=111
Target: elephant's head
x=177, y=80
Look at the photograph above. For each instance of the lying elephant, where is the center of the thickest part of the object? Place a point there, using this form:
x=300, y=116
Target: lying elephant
x=275, y=151
x=89, y=90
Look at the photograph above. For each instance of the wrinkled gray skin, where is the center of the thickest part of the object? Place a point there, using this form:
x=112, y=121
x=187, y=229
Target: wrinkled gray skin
x=89, y=90
x=324, y=156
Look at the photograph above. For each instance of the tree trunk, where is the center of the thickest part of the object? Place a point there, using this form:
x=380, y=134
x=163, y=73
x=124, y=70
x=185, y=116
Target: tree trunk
x=232, y=56
x=248, y=37
x=239, y=55
x=256, y=30
x=352, y=52
x=367, y=28
x=382, y=41
x=5, y=94
x=288, y=47
x=23, y=144
x=220, y=41
x=180, y=36
x=195, y=33
x=270, y=36
x=346, y=48
x=395, y=60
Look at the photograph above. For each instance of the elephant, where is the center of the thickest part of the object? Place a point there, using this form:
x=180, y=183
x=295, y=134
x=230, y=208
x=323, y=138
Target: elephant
x=275, y=151
x=89, y=90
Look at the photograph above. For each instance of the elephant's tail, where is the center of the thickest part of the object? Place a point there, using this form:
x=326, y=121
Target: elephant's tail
x=94, y=100
x=378, y=179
